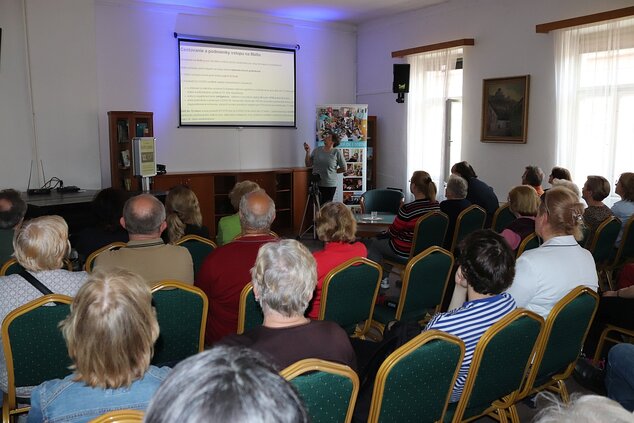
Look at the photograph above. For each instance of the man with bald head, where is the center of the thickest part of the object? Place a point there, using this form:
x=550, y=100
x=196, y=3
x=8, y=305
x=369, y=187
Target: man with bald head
x=146, y=254
x=226, y=270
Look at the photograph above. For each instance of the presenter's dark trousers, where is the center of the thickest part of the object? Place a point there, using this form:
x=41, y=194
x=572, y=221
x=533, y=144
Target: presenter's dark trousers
x=326, y=194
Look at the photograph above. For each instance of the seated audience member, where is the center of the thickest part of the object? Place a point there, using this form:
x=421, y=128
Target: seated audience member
x=546, y=274
x=110, y=335
x=584, y=409
x=533, y=176
x=107, y=209
x=624, y=209
x=226, y=384
x=568, y=184
x=336, y=227
x=225, y=271
x=398, y=240
x=619, y=380
x=145, y=253
x=523, y=203
x=594, y=191
x=456, y=202
x=183, y=215
x=284, y=278
x=12, y=211
x=478, y=191
x=40, y=244
x=560, y=173
x=229, y=226
x=486, y=267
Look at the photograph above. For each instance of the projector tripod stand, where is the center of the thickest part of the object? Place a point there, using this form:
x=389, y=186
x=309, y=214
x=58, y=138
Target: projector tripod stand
x=313, y=197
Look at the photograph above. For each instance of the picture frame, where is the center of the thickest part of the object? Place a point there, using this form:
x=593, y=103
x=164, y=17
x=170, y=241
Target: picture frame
x=505, y=109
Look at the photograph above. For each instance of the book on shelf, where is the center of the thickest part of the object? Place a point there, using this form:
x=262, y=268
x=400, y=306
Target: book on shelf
x=125, y=159
x=122, y=131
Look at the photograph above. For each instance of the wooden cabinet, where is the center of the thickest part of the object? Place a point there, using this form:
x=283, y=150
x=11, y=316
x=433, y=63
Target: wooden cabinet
x=212, y=190
x=122, y=127
x=371, y=179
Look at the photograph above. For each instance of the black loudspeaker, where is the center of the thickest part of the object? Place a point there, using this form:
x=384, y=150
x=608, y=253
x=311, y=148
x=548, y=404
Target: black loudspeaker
x=401, y=78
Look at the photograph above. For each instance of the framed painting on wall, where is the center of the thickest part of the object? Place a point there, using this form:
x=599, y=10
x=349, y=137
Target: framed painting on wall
x=505, y=109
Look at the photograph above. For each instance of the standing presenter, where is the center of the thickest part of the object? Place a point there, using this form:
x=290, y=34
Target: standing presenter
x=326, y=161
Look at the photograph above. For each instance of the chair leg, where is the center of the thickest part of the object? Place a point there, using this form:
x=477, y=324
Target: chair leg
x=599, y=349
x=563, y=391
x=515, y=417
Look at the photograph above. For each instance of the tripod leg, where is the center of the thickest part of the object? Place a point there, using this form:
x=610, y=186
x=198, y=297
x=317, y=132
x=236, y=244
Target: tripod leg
x=301, y=226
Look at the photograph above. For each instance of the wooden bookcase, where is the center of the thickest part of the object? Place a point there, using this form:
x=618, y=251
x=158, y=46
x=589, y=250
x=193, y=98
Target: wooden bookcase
x=287, y=187
x=123, y=126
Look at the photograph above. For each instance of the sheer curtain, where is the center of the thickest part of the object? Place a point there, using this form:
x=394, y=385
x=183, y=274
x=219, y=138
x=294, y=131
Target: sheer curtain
x=595, y=99
x=433, y=79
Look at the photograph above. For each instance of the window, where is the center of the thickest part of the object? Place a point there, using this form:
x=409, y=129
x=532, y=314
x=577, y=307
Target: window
x=434, y=113
x=595, y=99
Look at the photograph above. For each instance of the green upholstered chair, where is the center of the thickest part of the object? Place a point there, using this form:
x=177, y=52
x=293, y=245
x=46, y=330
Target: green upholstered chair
x=198, y=247
x=601, y=245
x=430, y=230
x=414, y=383
x=528, y=243
x=349, y=293
x=510, y=345
x=469, y=220
x=424, y=283
x=181, y=311
x=561, y=341
x=502, y=217
x=34, y=347
x=329, y=390
x=625, y=252
x=90, y=260
x=249, y=312
x=381, y=200
x=612, y=334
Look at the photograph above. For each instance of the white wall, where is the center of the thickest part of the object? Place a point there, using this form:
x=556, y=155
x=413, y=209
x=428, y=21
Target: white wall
x=90, y=57
x=505, y=45
x=61, y=41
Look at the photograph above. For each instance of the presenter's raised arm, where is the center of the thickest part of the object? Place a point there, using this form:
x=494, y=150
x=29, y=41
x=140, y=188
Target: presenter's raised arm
x=308, y=160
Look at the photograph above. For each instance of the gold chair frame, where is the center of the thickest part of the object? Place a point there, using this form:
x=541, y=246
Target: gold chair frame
x=242, y=307
x=309, y=365
x=68, y=265
x=403, y=351
x=196, y=238
x=172, y=284
x=524, y=244
x=605, y=336
x=9, y=400
x=92, y=256
x=120, y=416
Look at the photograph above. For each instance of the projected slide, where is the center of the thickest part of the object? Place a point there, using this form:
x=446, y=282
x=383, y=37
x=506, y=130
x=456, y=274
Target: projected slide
x=233, y=85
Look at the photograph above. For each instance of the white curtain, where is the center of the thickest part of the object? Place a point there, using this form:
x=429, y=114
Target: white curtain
x=432, y=81
x=595, y=99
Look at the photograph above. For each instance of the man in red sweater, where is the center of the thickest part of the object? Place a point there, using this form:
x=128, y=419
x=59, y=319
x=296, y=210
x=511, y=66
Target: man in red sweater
x=226, y=270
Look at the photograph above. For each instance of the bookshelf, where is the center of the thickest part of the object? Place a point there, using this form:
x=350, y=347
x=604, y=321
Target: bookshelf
x=123, y=126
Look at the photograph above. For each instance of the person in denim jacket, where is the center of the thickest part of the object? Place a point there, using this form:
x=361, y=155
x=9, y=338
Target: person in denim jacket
x=110, y=334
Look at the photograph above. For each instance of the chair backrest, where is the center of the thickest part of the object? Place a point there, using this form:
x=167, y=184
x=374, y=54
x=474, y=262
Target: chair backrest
x=381, y=200
x=528, y=243
x=502, y=217
x=12, y=266
x=349, y=293
x=429, y=231
x=120, y=416
x=90, y=260
x=625, y=252
x=510, y=345
x=329, y=390
x=563, y=336
x=198, y=247
x=603, y=239
x=425, y=280
x=34, y=347
x=414, y=383
x=249, y=311
x=181, y=311
x=469, y=220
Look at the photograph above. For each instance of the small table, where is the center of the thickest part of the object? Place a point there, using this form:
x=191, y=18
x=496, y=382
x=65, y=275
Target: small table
x=366, y=227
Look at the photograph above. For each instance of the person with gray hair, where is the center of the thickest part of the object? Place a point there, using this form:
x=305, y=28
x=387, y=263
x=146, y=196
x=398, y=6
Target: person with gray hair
x=226, y=384
x=225, y=271
x=456, y=202
x=146, y=253
x=12, y=211
x=284, y=279
x=583, y=409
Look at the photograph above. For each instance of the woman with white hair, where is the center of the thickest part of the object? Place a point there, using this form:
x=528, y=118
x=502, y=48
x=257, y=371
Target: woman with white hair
x=284, y=279
x=110, y=335
x=40, y=247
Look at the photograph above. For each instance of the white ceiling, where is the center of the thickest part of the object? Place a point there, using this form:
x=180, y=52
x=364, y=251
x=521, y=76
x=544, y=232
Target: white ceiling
x=342, y=11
